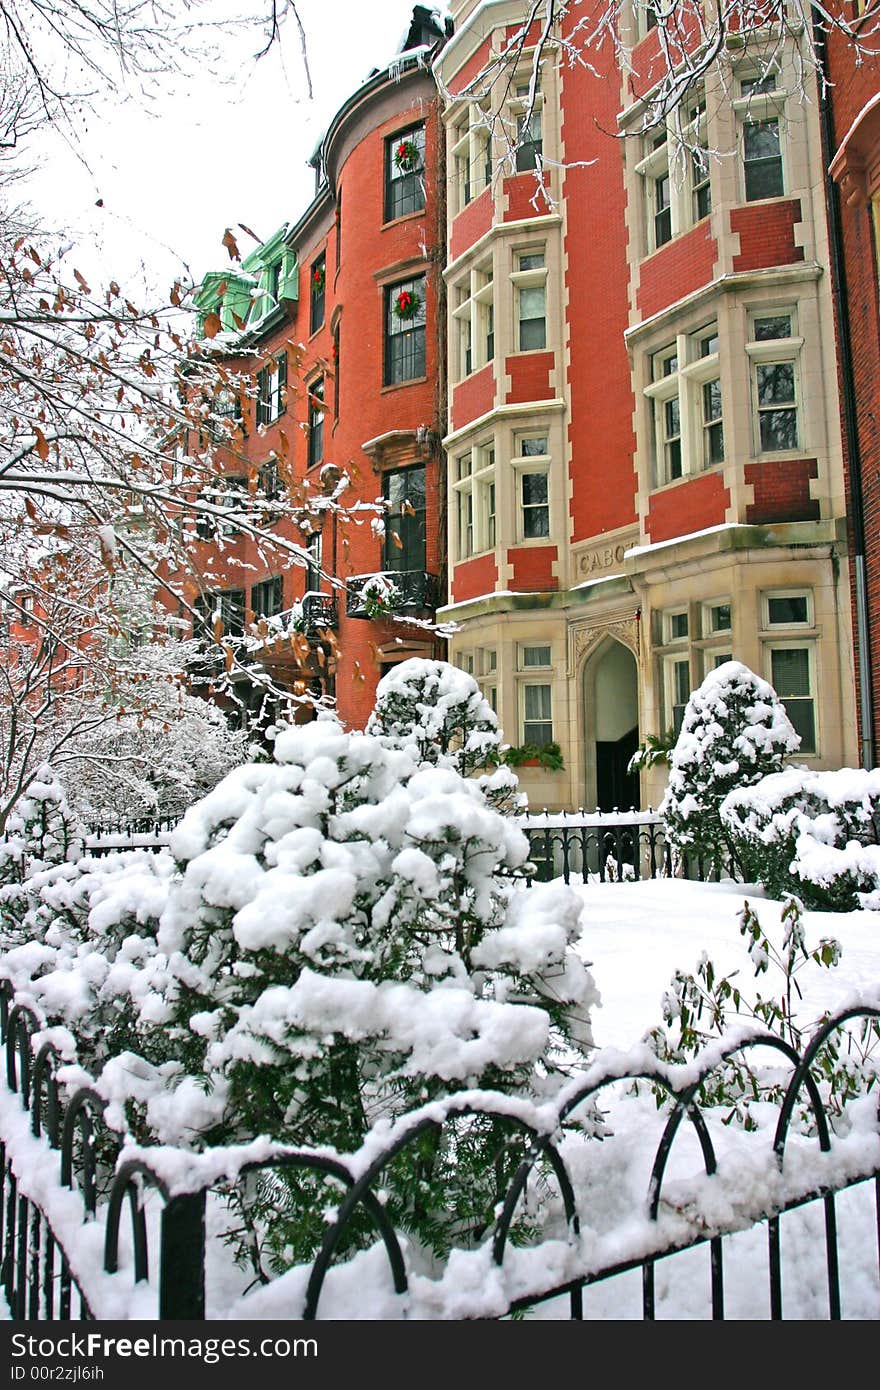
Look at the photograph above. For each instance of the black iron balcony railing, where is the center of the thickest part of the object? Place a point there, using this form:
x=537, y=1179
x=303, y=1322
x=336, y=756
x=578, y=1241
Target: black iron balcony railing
x=400, y=591
x=319, y=612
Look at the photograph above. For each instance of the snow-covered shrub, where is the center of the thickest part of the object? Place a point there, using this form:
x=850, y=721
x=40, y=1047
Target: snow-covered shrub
x=41, y=830
x=734, y=732
x=336, y=936
x=811, y=833
x=439, y=714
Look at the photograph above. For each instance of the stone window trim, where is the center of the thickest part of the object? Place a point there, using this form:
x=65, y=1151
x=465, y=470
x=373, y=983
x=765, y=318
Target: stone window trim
x=404, y=189
x=771, y=623
x=470, y=152
x=535, y=700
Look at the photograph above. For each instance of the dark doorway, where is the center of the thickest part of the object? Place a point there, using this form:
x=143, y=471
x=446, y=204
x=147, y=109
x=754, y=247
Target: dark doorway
x=615, y=787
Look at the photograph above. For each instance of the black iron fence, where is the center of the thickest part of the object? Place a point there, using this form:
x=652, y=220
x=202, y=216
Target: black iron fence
x=67, y=1189
x=615, y=847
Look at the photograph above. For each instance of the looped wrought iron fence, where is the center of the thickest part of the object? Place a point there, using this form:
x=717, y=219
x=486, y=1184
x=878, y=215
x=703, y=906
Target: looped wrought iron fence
x=57, y=1232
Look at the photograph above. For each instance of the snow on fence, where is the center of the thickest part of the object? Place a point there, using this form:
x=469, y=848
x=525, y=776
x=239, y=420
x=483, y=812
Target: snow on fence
x=69, y=1251
x=609, y=845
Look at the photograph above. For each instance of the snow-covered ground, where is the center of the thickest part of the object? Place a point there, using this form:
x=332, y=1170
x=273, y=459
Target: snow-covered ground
x=637, y=934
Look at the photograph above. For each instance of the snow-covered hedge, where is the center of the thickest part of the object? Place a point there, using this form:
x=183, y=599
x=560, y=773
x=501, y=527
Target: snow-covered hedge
x=335, y=937
x=811, y=833
x=734, y=732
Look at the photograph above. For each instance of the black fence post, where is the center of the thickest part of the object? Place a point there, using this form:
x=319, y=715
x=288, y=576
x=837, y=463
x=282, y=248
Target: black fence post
x=182, y=1268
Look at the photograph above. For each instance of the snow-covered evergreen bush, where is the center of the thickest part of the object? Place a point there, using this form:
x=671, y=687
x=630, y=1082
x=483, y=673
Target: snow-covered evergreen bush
x=811, y=833
x=336, y=937
x=440, y=715
x=735, y=731
x=41, y=830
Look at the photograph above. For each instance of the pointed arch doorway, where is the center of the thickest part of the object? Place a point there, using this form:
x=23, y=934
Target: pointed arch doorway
x=611, y=726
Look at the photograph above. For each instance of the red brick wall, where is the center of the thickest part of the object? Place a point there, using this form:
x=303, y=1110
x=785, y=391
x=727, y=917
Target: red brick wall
x=471, y=69
x=473, y=397
x=600, y=401
x=766, y=234
x=525, y=197
x=533, y=568
x=471, y=223
x=782, y=490
x=529, y=374
x=678, y=268
x=693, y=505
x=473, y=578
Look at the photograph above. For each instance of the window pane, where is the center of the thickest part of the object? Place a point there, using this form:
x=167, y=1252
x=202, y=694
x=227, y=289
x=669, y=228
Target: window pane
x=536, y=656
x=763, y=160
x=776, y=384
x=779, y=430
x=773, y=326
x=534, y=447
x=789, y=609
x=791, y=679
x=405, y=547
x=720, y=617
x=678, y=626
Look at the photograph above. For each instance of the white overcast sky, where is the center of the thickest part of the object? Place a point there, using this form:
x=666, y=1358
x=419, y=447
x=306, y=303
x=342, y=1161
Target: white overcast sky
x=173, y=174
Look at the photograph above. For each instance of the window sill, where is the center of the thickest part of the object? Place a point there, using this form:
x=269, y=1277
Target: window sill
x=397, y=385
x=405, y=217
x=689, y=477
x=315, y=331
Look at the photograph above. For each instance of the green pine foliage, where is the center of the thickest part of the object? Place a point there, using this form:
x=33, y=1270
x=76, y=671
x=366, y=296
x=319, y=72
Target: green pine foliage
x=734, y=732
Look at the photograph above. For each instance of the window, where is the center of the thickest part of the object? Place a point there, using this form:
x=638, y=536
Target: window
x=791, y=663
x=404, y=494
x=266, y=597
x=791, y=678
x=677, y=672
x=686, y=406
x=674, y=631
x=529, y=131
x=316, y=421
x=774, y=350
x=272, y=390
x=531, y=462
x=474, y=488
x=228, y=606
x=225, y=496
x=318, y=284
x=471, y=153
x=313, y=568
x=267, y=480
x=762, y=159
x=474, y=315
x=535, y=655
x=337, y=334
x=760, y=108
x=530, y=280
x=405, y=173
x=537, y=715
x=718, y=618
x=405, y=331
x=675, y=203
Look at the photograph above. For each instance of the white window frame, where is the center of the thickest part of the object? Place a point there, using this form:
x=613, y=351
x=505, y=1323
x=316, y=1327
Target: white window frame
x=671, y=663
x=535, y=646
x=517, y=113
x=531, y=463
x=475, y=493
x=809, y=647
x=755, y=108
x=470, y=153
x=474, y=317
x=524, y=686
x=687, y=382
x=775, y=352
x=533, y=279
x=769, y=626
x=669, y=157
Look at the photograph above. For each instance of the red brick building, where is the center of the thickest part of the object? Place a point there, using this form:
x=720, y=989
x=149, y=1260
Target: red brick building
x=644, y=448
x=341, y=316
x=851, y=122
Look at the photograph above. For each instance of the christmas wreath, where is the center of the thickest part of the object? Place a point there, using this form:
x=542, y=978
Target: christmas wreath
x=406, y=305
x=407, y=156
x=318, y=280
